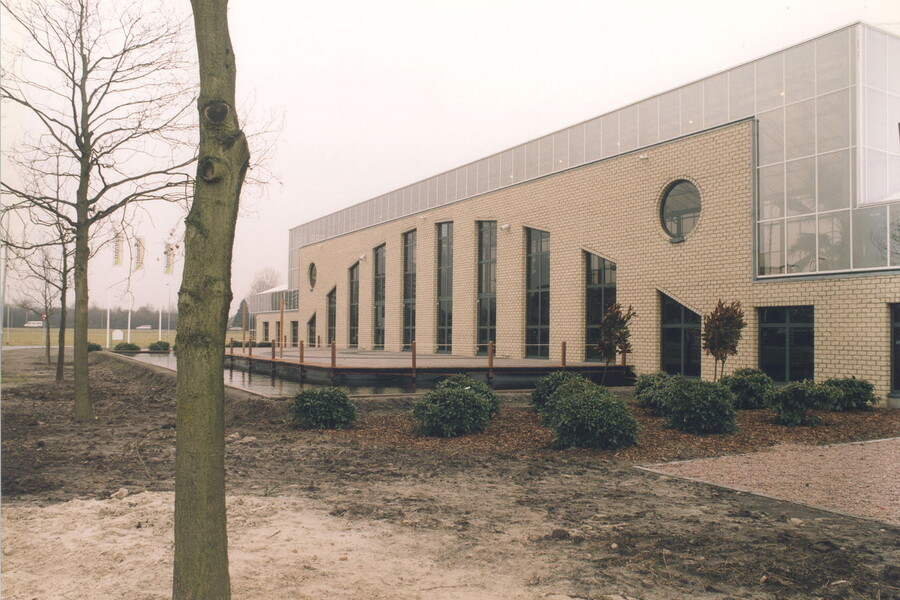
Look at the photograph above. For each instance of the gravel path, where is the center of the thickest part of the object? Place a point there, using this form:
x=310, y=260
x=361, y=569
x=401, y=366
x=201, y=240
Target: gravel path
x=861, y=478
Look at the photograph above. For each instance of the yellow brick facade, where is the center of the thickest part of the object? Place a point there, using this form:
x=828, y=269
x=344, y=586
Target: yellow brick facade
x=611, y=209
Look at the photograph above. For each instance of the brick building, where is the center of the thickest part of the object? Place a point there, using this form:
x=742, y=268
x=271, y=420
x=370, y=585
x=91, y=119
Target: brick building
x=776, y=183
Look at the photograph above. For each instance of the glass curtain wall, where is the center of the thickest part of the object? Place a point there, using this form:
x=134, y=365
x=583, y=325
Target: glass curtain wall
x=353, y=302
x=378, y=298
x=409, y=289
x=445, y=287
x=599, y=295
x=786, y=342
x=537, y=293
x=681, y=343
x=487, y=284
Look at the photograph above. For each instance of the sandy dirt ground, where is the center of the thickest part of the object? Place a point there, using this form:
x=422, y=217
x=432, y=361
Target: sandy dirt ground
x=323, y=515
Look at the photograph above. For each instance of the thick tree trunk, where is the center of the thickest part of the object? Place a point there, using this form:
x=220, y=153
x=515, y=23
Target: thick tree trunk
x=201, y=544
x=83, y=411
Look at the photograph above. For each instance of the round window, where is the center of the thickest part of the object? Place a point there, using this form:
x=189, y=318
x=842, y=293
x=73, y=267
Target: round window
x=312, y=275
x=680, y=209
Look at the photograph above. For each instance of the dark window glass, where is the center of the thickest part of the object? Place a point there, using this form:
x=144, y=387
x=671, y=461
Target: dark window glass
x=265, y=337
x=312, y=275
x=378, y=298
x=331, y=300
x=787, y=342
x=680, y=353
x=295, y=333
x=487, y=284
x=537, y=293
x=599, y=295
x=895, y=354
x=311, y=332
x=445, y=287
x=353, y=300
x=680, y=209
x=409, y=289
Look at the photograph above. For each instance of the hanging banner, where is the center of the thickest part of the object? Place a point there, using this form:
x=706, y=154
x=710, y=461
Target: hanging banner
x=138, y=253
x=170, y=259
x=117, y=249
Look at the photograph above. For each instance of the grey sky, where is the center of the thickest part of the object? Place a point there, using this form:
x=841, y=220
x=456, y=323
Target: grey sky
x=377, y=95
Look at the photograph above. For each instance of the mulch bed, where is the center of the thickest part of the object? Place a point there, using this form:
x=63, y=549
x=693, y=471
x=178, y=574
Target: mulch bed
x=515, y=430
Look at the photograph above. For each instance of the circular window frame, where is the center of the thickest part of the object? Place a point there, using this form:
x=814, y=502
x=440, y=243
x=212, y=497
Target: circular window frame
x=311, y=275
x=664, y=196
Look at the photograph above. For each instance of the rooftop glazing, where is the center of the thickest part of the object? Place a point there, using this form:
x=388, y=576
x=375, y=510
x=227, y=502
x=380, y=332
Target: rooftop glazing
x=823, y=107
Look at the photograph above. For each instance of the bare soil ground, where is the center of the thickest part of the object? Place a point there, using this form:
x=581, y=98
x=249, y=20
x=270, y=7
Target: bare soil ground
x=378, y=511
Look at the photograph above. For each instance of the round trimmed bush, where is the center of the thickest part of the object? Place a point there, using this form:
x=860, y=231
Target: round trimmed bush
x=467, y=383
x=650, y=391
x=452, y=411
x=92, y=347
x=790, y=402
x=749, y=387
x=547, y=385
x=160, y=346
x=127, y=347
x=322, y=408
x=589, y=416
x=570, y=387
x=850, y=393
x=700, y=407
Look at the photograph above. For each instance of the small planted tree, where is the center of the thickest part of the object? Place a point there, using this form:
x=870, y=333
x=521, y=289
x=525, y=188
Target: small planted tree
x=615, y=335
x=722, y=332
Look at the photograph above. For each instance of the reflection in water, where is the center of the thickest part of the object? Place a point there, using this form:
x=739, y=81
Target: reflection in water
x=269, y=385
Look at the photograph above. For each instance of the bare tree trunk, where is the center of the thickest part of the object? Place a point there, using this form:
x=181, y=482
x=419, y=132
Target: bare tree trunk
x=46, y=319
x=83, y=410
x=63, y=317
x=201, y=543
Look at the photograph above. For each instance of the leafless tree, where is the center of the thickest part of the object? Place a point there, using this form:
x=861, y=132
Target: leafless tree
x=201, y=541
x=264, y=280
x=104, y=92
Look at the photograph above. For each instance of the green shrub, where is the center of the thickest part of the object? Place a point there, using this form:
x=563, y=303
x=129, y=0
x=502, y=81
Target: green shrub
x=790, y=402
x=452, y=411
x=650, y=391
x=589, y=416
x=570, y=387
x=92, y=347
x=263, y=344
x=850, y=393
x=127, y=347
x=160, y=346
x=467, y=383
x=749, y=387
x=700, y=407
x=546, y=386
x=322, y=408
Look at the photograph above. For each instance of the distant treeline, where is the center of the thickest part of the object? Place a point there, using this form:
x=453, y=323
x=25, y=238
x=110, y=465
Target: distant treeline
x=118, y=317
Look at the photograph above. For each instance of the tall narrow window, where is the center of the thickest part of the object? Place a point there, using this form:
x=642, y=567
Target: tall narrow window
x=353, y=300
x=599, y=294
x=409, y=289
x=311, y=332
x=295, y=333
x=445, y=287
x=487, y=284
x=895, y=354
x=680, y=352
x=265, y=337
x=786, y=342
x=378, y=298
x=537, y=294
x=331, y=300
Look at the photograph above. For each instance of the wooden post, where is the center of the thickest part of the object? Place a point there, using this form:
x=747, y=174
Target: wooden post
x=283, y=342
x=491, y=359
x=232, y=346
x=412, y=347
x=563, y=354
x=274, y=343
x=250, y=347
x=318, y=341
x=302, y=346
x=300, y=360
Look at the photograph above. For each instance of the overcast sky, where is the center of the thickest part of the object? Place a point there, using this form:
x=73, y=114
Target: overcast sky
x=372, y=96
